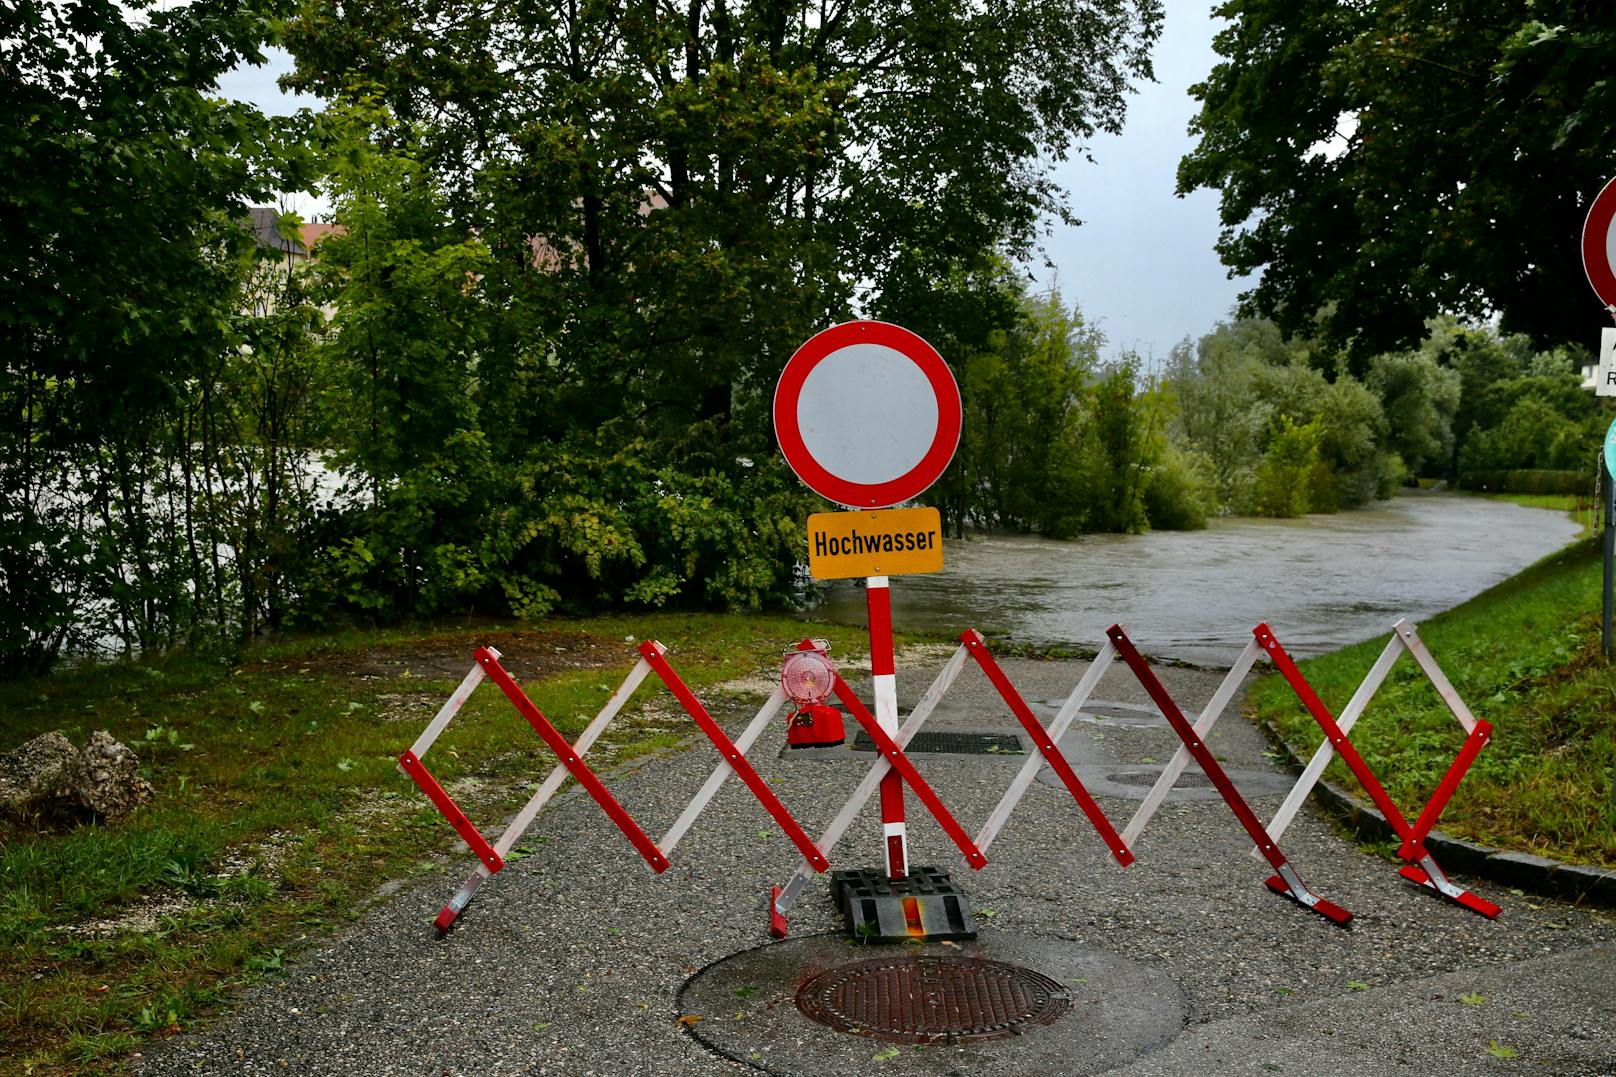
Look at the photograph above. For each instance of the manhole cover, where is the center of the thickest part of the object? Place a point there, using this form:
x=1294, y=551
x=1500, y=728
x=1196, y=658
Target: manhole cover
x=933, y=999
x=957, y=743
x=1190, y=779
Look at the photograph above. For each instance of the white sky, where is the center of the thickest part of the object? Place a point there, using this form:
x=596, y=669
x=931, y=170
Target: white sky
x=1141, y=266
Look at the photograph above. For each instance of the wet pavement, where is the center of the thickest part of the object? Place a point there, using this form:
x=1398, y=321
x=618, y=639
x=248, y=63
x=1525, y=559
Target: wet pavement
x=577, y=961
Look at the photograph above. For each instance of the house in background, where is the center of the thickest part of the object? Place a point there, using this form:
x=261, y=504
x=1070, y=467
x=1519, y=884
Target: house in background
x=296, y=251
x=264, y=224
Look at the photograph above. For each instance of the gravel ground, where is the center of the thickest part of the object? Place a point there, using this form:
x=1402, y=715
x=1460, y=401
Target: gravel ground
x=570, y=961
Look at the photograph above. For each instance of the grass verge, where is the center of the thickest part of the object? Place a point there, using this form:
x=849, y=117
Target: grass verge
x=1524, y=655
x=278, y=802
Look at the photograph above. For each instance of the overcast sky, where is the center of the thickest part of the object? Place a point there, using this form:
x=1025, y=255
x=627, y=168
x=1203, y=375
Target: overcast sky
x=1141, y=265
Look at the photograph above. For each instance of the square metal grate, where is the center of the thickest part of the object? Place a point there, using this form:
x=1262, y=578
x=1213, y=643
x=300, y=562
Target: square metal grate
x=953, y=743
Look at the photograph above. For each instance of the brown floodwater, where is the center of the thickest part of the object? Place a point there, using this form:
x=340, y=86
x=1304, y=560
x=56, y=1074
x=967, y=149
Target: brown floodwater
x=1320, y=582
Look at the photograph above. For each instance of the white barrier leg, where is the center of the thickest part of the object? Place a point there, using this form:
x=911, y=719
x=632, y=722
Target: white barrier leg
x=547, y=789
x=1035, y=760
x=1181, y=758
x=446, y=713
x=720, y=775
x=1433, y=673
x=1326, y=751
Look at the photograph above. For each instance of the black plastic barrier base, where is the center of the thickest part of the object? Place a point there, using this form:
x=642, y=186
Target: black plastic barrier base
x=923, y=905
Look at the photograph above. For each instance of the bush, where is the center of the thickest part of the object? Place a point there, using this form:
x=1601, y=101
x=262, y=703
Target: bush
x=594, y=520
x=1178, y=495
x=1527, y=481
x=1284, y=478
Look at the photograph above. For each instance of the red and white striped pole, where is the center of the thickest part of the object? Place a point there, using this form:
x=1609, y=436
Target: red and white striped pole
x=883, y=671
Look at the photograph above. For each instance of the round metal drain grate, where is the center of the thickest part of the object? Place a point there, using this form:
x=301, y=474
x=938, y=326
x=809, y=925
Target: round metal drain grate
x=1190, y=779
x=933, y=999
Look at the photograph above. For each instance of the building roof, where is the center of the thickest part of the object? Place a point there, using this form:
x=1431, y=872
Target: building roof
x=264, y=223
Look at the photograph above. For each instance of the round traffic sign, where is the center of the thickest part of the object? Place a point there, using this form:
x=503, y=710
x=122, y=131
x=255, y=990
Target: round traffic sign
x=1599, y=244
x=1610, y=450
x=867, y=414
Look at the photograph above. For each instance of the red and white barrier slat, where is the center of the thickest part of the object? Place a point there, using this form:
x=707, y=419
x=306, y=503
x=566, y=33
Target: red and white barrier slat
x=1181, y=758
x=412, y=765
x=894, y=754
x=785, y=896
x=1285, y=881
x=547, y=789
x=721, y=774
x=892, y=763
x=572, y=761
x=1423, y=868
x=1045, y=741
x=733, y=760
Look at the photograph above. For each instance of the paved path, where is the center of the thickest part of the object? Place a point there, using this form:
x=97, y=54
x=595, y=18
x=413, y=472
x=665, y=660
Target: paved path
x=570, y=962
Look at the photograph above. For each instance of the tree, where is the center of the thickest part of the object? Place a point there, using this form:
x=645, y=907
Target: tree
x=1385, y=162
x=1024, y=454
x=1244, y=387
x=707, y=184
x=671, y=199
x=1285, y=476
x=1419, y=398
x=120, y=283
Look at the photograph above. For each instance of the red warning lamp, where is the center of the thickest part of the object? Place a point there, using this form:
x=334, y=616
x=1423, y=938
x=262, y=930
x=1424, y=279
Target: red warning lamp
x=808, y=677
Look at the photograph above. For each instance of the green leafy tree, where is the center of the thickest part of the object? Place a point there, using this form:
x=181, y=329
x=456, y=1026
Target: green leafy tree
x=671, y=200
x=120, y=209
x=1231, y=389
x=1419, y=398
x=1128, y=437
x=1285, y=477
x=1384, y=162
x=678, y=196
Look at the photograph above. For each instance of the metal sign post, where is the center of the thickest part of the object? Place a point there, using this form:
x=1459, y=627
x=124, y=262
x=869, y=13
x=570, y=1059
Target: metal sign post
x=868, y=416
x=1607, y=517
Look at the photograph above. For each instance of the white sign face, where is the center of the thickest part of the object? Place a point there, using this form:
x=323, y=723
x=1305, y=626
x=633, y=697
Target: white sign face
x=1605, y=379
x=867, y=413
x=1610, y=243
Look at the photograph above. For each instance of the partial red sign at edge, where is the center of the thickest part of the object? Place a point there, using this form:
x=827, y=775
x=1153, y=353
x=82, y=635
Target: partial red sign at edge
x=1595, y=254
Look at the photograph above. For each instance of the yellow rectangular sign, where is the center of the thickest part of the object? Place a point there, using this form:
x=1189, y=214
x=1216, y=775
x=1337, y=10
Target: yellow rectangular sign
x=884, y=542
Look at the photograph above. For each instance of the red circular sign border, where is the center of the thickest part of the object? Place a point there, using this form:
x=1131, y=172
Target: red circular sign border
x=1595, y=260
x=856, y=494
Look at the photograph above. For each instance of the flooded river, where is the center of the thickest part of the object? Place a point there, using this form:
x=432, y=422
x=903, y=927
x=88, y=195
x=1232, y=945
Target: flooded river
x=1320, y=582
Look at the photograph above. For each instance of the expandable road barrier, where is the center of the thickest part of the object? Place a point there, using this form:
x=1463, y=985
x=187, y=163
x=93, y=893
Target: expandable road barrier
x=1284, y=881
x=892, y=759
x=652, y=660
x=1421, y=868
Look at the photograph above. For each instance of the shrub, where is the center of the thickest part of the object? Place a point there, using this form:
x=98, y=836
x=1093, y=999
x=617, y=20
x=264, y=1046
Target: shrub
x=1178, y=495
x=1527, y=481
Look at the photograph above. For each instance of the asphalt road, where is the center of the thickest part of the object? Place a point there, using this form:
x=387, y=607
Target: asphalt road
x=572, y=961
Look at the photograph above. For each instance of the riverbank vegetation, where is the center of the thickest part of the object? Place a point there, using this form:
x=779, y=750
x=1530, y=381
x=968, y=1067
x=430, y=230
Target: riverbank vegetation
x=529, y=368
x=1525, y=656
x=279, y=808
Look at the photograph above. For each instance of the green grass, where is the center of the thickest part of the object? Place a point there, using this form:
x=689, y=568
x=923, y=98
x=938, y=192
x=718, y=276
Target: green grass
x=1525, y=656
x=278, y=801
